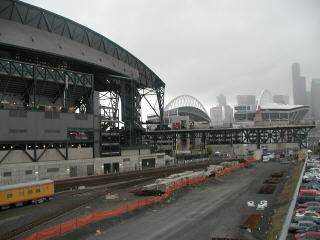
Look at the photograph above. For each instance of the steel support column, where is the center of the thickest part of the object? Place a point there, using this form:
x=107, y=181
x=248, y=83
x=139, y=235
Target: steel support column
x=131, y=112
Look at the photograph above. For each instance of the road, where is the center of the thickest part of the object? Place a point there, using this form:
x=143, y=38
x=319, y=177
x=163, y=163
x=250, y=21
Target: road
x=212, y=209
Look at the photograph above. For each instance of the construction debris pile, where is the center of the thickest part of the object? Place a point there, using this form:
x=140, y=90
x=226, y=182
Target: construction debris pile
x=229, y=164
x=161, y=185
x=269, y=184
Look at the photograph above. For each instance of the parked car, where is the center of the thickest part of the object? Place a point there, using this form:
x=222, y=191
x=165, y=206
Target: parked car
x=306, y=218
x=312, y=214
x=311, y=185
x=313, y=160
x=311, y=208
x=315, y=228
x=304, y=192
x=300, y=225
x=308, y=176
x=304, y=199
x=307, y=235
x=314, y=170
x=283, y=161
x=308, y=213
x=308, y=204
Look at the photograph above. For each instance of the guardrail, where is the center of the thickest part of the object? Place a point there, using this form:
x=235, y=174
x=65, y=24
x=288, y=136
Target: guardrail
x=286, y=224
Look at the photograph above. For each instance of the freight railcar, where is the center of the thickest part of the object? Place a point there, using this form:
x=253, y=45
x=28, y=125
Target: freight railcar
x=20, y=194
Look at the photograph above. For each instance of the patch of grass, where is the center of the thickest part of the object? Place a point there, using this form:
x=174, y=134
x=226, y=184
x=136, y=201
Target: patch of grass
x=284, y=201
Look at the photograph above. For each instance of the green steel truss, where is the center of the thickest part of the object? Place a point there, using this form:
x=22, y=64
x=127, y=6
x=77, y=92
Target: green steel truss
x=256, y=135
x=31, y=83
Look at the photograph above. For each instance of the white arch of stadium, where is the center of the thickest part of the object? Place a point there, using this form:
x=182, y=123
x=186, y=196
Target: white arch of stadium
x=188, y=103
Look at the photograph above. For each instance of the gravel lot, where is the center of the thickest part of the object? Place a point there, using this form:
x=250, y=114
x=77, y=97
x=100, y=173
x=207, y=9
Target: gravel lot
x=211, y=209
x=15, y=217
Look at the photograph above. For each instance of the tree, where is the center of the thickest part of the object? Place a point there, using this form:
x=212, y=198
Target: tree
x=190, y=148
x=209, y=150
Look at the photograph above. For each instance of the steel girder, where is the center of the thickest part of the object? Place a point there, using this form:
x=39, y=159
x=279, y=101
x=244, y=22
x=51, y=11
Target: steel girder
x=131, y=95
x=158, y=105
x=32, y=153
x=109, y=121
x=44, y=20
x=258, y=136
x=131, y=112
x=30, y=82
x=24, y=70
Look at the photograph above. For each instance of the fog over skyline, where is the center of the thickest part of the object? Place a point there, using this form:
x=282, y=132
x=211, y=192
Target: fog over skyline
x=207, y=47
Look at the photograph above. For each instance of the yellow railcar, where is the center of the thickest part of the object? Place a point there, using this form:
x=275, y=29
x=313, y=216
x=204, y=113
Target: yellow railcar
x=22, y=193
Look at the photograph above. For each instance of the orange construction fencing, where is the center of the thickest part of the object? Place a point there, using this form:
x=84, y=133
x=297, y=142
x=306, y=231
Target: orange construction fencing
x=132, y=206
x=103, y=215
x=31, y=237
x=68, y=226
x=84, y=220
x=78, y=222
x=48, y=233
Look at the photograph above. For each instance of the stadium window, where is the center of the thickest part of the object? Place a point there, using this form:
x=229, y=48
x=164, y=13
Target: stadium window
x=37, y=190
x=21, y=193
x=9, y=195
x=53, y=170
x=30, y=192
x=7, y=174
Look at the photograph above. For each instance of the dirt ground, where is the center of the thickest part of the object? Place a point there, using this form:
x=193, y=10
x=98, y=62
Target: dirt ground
x=215, y=208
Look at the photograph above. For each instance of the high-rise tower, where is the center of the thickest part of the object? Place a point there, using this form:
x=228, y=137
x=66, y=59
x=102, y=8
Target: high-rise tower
x=298, y=86
x=315, y=98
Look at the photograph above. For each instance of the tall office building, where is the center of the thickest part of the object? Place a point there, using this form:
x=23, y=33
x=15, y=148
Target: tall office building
x=315, y=98
x=222, y=113
x=222, y=100
x=281, y=99
x=247, y=100
x=298, y=86
x=245, y=109
x=216, y=116
x=228, y=114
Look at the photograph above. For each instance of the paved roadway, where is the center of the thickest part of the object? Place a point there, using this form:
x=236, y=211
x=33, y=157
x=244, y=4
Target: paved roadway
x=215, y=208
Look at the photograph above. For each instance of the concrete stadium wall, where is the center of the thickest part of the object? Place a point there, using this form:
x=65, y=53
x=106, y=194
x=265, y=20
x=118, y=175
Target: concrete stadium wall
x=130, y=152
x=35, y=127
x=25, y=172
x=19, y=156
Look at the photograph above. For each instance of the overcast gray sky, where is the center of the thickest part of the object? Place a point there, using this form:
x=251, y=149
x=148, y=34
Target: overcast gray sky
x=207, y=47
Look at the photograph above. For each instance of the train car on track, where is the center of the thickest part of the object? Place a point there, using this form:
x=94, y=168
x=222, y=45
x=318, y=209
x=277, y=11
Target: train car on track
x=23, y=193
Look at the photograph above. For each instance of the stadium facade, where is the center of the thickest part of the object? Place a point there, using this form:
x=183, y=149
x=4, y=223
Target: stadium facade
x=183, y=107
x=269, y=113
x=54, y=73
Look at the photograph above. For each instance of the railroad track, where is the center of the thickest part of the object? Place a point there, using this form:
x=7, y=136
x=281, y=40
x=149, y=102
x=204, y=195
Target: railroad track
x=118, y=181
x=54, y=215
x=112, y=178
